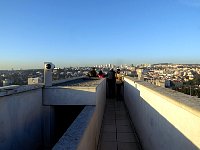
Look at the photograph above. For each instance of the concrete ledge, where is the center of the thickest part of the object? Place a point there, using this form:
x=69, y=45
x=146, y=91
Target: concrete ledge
x=75, y=133
x=164, y=114
x=84, y=132
x=73, y=95
x=66, y=80
x=9, y=90
x=80, y=82
x=69, y=96
x=187, y=102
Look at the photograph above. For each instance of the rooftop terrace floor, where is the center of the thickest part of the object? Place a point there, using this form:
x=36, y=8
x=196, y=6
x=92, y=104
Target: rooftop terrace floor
x=117, y=132
x=83, y=82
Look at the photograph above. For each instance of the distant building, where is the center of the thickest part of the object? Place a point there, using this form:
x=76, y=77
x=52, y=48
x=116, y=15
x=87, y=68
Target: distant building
x=141, y=72
x=168, y=83
x=37, y=80
x=7, y=82
x=160, y=83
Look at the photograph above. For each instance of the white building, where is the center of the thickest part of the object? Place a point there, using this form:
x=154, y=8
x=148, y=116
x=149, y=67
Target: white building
x=34, y=80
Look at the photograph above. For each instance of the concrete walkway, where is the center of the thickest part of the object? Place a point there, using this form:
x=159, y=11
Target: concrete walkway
x=116, y=130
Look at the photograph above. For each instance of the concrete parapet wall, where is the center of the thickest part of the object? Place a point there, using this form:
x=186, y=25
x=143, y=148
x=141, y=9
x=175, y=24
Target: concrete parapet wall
x=84, y=132
x=21, y=120
x=26, y=123
x=69, y=96
x=80, y=133
x=164, y=119
x=72, y=95
x=65, y=80
x=100, y=106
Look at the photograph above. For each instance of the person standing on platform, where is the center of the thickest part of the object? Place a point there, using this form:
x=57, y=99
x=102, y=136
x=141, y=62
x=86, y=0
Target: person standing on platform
x=101, y=74
x=111, y=83
x=119, y=84
x=92, y=73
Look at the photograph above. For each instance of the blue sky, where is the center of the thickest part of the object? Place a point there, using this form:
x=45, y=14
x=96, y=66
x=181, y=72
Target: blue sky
x=88, y=32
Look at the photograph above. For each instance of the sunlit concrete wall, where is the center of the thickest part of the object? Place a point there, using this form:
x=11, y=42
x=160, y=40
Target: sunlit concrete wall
x=83, y=134
x=25, y=123
x=90, y=137
x=164, y=119
x=63, y=95
x=21, y=120
x=100, y=106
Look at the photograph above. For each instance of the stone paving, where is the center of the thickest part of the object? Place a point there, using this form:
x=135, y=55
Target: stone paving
x=116, y=131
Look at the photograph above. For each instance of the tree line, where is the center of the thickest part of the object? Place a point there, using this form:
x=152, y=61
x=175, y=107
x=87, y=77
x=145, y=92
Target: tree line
x=191, y=87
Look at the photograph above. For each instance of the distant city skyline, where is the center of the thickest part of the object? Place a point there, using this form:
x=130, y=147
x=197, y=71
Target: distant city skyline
x=85, y=33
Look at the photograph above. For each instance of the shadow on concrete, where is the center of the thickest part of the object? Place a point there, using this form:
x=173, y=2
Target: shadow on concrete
x=64, y=117
x=68, y=102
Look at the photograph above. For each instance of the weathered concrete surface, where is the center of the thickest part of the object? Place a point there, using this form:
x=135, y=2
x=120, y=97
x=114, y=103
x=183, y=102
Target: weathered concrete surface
x=14, y=89
x=72, y=93
x=81, y=82
x=21, y=120
x=76, y=132
x=83, y=134
x=69, y=96
x=164, y=119
x=26, y=124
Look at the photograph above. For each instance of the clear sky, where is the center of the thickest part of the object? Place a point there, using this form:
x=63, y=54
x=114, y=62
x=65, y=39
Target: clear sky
x=87, y=32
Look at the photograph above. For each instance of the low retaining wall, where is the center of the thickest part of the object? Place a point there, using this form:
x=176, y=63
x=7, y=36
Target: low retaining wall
x=69, y=96
x=21, y=119
x=26, y=123
x=81, y=134
x=164, y=119
x=84, y=132
x=73, y=95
